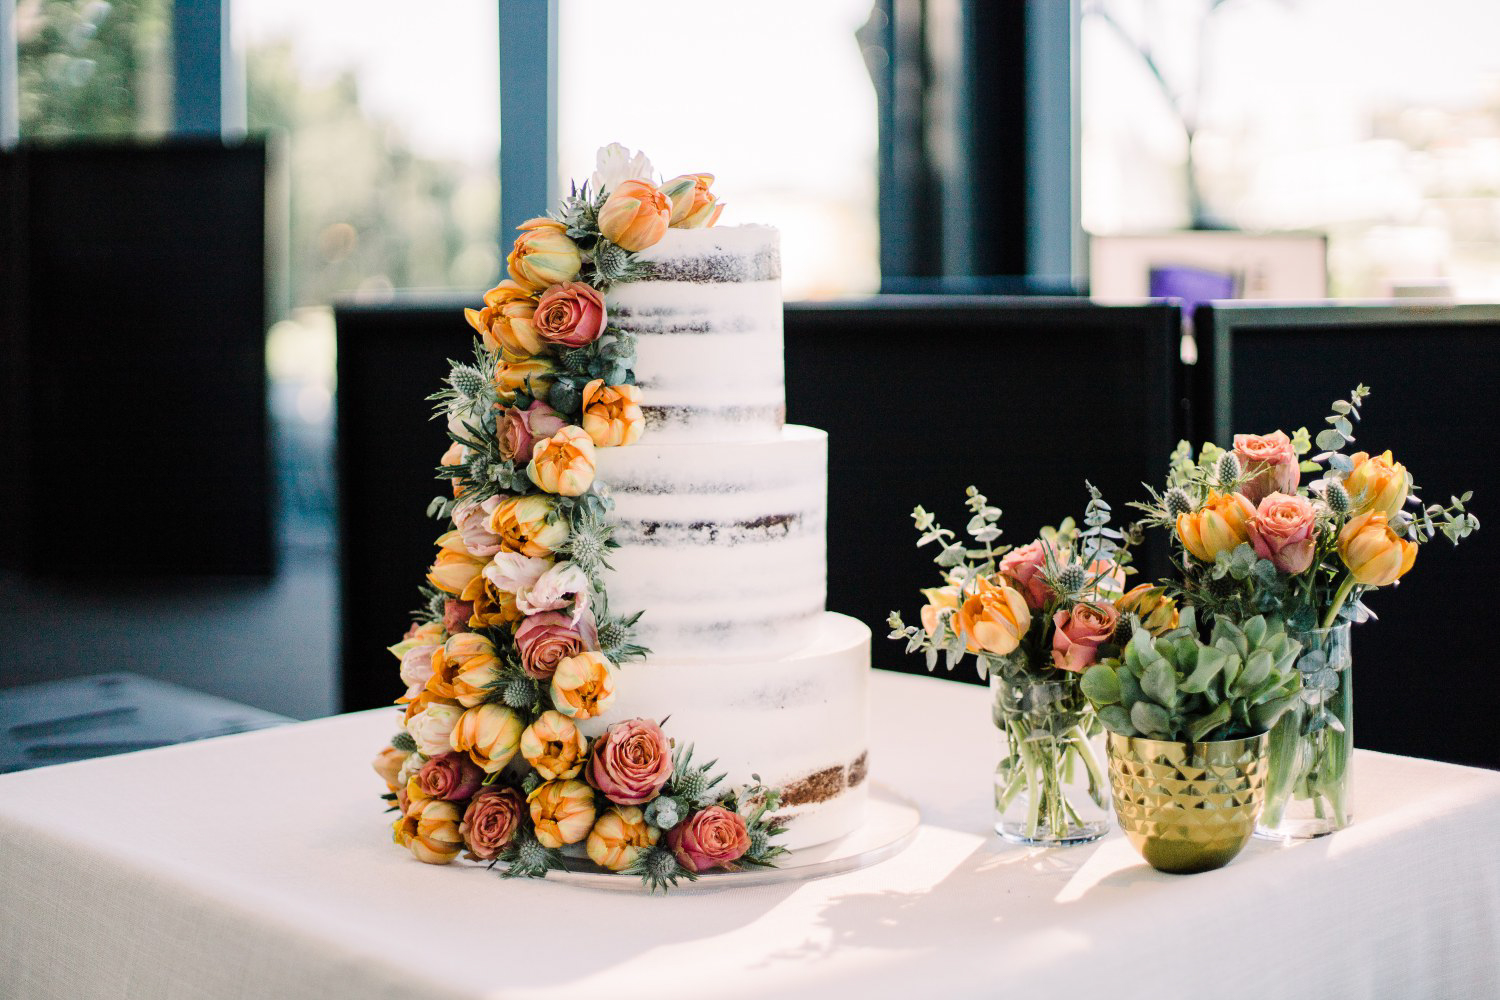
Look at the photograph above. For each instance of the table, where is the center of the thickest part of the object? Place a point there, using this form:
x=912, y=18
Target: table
x=259, y=865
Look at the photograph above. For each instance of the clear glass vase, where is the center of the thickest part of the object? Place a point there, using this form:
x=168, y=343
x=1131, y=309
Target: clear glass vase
x=1050, y=789
x=1312, y=747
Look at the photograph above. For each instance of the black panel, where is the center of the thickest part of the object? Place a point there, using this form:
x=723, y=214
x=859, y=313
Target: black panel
x=1424, y=686
x=390, y=359
x=138, y=329
x=1024, y=398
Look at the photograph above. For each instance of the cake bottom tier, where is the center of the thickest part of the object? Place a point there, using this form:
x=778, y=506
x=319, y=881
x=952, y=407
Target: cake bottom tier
x=799, y=721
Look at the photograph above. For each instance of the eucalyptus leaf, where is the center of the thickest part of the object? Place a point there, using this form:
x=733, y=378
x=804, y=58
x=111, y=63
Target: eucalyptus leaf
x=1329, y=440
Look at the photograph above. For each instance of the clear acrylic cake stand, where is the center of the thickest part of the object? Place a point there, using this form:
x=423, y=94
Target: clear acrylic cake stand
x=891, y=822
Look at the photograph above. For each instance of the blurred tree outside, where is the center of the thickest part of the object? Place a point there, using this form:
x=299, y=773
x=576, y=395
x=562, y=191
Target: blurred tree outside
x=93, y=68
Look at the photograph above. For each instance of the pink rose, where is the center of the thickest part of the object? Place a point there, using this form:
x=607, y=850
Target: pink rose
x=1271, y=463
x=473, y=523
x=456, y=615
x=631, y=762
x=490, y=822
x=708, y=838
x=1080, y=632
x=1284, y=530
x=545, y=640
x=570, y=314
x=1024, y=566
x=562, y=584
x=519, y=430
x=451, y=776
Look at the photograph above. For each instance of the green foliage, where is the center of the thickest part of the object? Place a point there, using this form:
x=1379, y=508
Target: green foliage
x=692, y=784
x=658, y=870
x=402, y=741
x=1176, y=687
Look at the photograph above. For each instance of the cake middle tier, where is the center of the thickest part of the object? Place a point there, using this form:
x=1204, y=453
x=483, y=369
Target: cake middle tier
x=723, y=545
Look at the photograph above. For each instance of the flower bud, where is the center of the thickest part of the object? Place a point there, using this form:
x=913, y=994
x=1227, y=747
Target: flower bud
x=1220, y=526
x=635, y=215
x=1375, y=555
x=543, y=255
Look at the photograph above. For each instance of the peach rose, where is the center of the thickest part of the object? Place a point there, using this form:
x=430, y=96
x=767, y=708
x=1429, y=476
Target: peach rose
x=612, y=414
x=554, y=746
x=709, y=838
x=693, y=204
x=1024, y=567
x=1376, y=555
x=1285, y=531
x=543, y=255
x=454, y=566
x=619, y=837
x=564, y=463
x=635, y=215
x=471, y=520
x=518, y=430
x=1080, y=632
x=939, y=599
x=562, y=812
x=532, y=375
x=505, y=322
x=1157, y=612
x=490, y=822
x=994, y=619
x=449, y=776
x=490, y=734
x=571, y=314
x=583, y=686
x=544, y=640
x=526, y=526
x=1220, y=525
x=631, y=762
x=1377, y=483
x=1270, y=462
x=429, y=828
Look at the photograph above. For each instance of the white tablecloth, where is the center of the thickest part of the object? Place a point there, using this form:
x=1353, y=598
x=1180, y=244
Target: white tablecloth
x=260, y=866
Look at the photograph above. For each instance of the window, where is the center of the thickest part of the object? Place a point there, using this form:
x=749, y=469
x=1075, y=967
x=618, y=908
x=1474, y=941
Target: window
x=1371, y=120
x=772, y=97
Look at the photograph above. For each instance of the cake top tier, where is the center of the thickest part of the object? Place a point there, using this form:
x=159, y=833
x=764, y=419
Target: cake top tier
x=720, y=254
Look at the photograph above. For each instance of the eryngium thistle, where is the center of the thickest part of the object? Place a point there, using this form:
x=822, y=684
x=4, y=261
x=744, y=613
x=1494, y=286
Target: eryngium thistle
x=518, y=692
x=531, y=858
x=576, y=362
x=1337, y=497
x=1071, y=578
x=466, y=380
x=661, y=866
x=691, y=785
x=403, y=742
x=611, y=262
x=759, y=841
x=1178, y=503
x=612, y=635
x=1228, y=470
x=587, y=551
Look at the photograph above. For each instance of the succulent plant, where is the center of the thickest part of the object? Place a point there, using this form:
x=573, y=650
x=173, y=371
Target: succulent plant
x=1177, y=687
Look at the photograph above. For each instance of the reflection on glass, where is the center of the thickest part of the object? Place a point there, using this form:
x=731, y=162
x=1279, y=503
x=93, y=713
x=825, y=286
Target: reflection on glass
x=772, y=97
x=1371, y=120
x=93, y=68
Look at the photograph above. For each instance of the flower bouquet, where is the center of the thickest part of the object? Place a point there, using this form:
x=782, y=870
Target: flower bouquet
x=1250, y=538
x=1034, y=618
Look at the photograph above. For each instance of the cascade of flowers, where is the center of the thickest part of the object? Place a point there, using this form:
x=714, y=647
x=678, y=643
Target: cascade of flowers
x=515, y=643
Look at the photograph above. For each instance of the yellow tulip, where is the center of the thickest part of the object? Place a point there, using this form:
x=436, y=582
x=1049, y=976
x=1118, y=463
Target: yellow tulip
x=619, y=837
x=1376, y=555
x=543, y=255
x=1377, y=484
x=562, y=812
x=1218, y=526
x=490, y=734
x=430, y=829
x=454, y=567
x=554, y=746
x=464, y=668
x=505, y=322
x=533, y=375
x=564, y=463
x=525, y=526
x=994, y=619
x=1158, y=612
x=694, y=206
x=939, y=599
x=635, y=215
x=612, y=414
x=584, y=685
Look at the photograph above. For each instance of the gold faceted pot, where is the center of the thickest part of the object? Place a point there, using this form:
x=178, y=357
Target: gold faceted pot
x=1188, y=807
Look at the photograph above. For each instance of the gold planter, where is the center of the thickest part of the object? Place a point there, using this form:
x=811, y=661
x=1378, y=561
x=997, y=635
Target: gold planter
x=1188, y=807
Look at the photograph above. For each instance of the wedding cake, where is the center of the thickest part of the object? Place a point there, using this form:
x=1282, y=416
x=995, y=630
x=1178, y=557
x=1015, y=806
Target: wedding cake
x=721, y=512
x=624, y=651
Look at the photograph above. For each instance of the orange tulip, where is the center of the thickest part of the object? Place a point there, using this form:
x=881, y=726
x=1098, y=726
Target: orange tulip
x=505, y=322
x=1377, y=483
x=1376, y=555
x=612, y=414
x=543, y=255
x=1218, y=526
x=635, y=215
x=994, y=619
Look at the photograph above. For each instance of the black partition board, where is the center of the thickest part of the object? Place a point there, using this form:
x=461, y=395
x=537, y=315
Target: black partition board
x=1423, y=685
x=139, y=311
x=390, y=359
x=1025, y=398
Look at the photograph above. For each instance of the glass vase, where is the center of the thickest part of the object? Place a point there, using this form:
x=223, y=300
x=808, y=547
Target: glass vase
x=1050, y=789
x=1312, y=747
